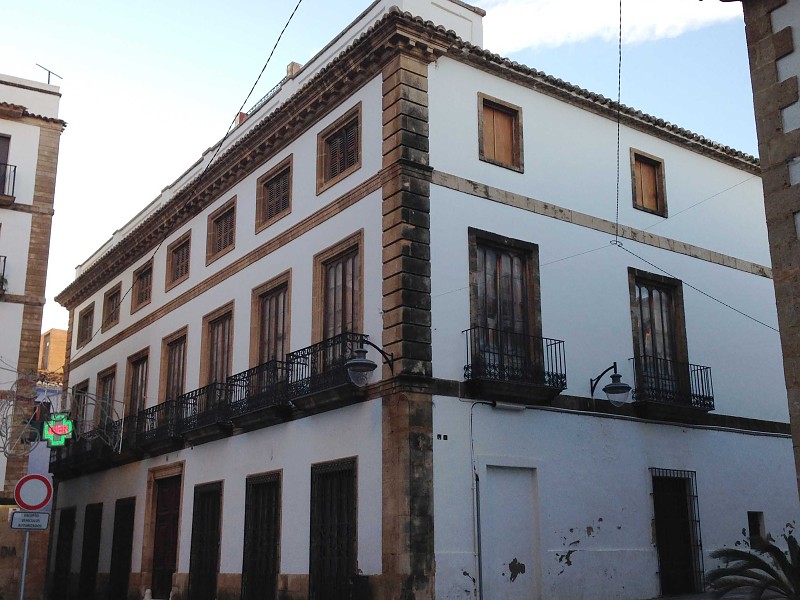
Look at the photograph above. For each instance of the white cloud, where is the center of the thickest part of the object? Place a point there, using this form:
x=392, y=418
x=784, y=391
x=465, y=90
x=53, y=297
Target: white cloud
x=514, y=25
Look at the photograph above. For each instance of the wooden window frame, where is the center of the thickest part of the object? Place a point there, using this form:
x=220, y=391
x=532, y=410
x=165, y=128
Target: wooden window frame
x=205, y=341
x=262, y=220
x=637, y=156
x=211, y=235
x=518, y=163
x=171, y=280
x=284, y=279
x=323, y=181
x=356, y=240
x=478, y=237
x=163, y=372
x=678, y=316
x=85, y=331
x=101, y=376
x=136, y=357
x=108, y=322
x=137, y=284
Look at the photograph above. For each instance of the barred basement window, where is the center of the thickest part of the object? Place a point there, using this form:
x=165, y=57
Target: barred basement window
x=178, y=260
x=221, y=231
x=274, y=194
x=339, y=149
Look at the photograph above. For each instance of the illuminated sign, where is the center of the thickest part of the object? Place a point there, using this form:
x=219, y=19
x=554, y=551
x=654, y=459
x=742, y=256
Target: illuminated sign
x=57, y=430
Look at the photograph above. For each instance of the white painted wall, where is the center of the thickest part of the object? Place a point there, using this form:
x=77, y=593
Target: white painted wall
x=593, y=491
x=37, y=97
x=291, y=447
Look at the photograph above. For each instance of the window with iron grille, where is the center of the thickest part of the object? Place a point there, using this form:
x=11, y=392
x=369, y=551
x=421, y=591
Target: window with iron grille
x=262, y=537
x=339, y=149
x=174, y=365
x=111, y=302
x=104, y=409
x=334, y=530
x=500, y=135
x=85, y=325
x=676, y=524
x=647, y=178
x=142, y=286
x=274, y=194
x=221, y=231
x=178, y=260
x=137, y=382
x=217, y=343
x=273, y=323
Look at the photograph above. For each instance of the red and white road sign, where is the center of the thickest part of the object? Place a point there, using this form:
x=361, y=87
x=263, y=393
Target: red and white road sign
x=33, y=492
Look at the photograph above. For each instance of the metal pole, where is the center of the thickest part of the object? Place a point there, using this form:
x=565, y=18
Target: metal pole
x=24, y=565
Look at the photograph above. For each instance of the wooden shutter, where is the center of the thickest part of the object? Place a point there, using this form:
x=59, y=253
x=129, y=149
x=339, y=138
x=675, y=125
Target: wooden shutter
x=262, y=530
x=219, y=349
x=272, y=334
x=341, y=294
x=498, y=134
x=224, y=227
x=176, y=353
x=277, y=195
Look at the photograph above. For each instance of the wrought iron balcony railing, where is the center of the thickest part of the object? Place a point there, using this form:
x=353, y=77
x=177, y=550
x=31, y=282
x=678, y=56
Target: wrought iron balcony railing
x=203, y=407
x=503, y=356
x=671, y=382
x=260, y=387
x=322, y=366
x=8, y=179
x=156, y=424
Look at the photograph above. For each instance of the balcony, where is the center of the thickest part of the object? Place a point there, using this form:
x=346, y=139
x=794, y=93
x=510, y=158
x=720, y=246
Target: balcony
x=321, y=368
x=202, y=415
x=155, y=431
x=667, y=384
x=8, y=180
x=515, y=366
x=259, y=396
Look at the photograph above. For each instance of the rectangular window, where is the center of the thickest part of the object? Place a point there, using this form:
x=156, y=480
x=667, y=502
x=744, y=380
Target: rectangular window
x=216, y=345
x=85, y=325
x=137, y=382
x=142, y=286
x=173, y=365
x=339, y=149
x=274, y=194
x=661, y=356
x=505, y=335
x=262, y=536
x=111, y=302
x=271, y=320
x=178, y=260
x=649, y=191
x=45, y=362
x=221, y=232
x=332, y=561
x=339, y=286
x=104, y=409
x=500, y=133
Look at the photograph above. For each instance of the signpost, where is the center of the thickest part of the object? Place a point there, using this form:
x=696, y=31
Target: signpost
x=32, y=493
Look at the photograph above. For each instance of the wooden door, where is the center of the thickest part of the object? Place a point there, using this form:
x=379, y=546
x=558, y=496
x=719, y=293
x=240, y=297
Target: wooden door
x=121, y=547
x=204, y=558
x=165, y=541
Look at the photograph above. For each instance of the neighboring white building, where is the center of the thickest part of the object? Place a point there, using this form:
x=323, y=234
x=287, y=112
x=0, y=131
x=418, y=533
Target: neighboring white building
x=458, y=209
x=30, y=130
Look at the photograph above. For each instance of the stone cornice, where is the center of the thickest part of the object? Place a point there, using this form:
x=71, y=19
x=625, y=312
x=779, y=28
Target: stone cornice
x=394, y=33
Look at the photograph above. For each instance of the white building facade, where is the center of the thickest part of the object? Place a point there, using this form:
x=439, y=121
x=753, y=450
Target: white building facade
x=457, y=209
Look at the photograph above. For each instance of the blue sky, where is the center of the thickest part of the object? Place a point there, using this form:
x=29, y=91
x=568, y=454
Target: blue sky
x=149, y=85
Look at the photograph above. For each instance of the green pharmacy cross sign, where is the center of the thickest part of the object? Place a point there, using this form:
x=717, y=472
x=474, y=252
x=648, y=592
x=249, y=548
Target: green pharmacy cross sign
x=57, y=430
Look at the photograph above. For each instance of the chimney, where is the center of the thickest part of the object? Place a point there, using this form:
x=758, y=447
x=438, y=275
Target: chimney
x=292, y=69
x=241, y=118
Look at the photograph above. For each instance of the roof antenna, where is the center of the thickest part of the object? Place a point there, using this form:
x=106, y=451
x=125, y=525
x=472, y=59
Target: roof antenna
x=49, y=72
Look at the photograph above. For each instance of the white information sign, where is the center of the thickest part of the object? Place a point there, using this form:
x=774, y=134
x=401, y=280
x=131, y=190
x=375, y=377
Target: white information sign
x=32, y=521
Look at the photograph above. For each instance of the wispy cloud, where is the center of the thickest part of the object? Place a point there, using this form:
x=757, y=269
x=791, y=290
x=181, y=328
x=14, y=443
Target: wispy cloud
x=514, y=25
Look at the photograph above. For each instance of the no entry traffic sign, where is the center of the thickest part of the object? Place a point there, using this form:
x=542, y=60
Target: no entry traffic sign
x=33, y=492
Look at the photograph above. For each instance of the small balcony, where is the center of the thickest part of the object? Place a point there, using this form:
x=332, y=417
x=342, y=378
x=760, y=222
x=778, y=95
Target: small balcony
x=667, y=383
x=155, y=428
x=524, y=368
x=8, y=180
x=259, y=396
x=322, y=368
x=202, y=415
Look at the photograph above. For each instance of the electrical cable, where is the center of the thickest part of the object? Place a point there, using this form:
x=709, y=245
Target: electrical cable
x=619, y=111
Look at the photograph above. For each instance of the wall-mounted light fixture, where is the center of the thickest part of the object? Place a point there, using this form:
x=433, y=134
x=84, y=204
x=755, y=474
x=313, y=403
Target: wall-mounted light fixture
x=360, y=368
x=617, y=391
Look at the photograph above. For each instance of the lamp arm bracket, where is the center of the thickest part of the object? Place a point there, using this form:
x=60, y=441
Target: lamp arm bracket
x=388, y=357
x=593, y=382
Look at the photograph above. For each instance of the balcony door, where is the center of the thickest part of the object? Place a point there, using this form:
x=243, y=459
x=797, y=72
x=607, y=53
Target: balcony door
x=5, y=142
